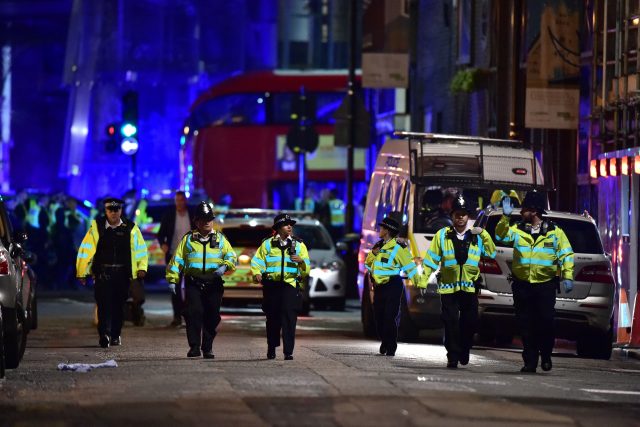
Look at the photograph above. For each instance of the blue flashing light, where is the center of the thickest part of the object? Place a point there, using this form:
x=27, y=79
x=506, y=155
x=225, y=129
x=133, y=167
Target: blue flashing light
x=260, y=100
x=128, y=130
x=183, y=140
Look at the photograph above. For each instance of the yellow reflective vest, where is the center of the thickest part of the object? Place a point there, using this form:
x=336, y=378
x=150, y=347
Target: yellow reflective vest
x=201, y=260
x=89, y=245
x=275, y=264
x=390, y=261
x=536, y=260
x=337, y=212
x=453, y=276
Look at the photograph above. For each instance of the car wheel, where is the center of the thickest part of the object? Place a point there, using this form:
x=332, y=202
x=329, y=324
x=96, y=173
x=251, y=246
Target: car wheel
x=407, y=331
x=15, y=337
x=596, y=344
x=366, y=314
x=2, y=362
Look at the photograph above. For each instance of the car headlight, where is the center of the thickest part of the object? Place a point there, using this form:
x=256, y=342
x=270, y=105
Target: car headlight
x=331, y=265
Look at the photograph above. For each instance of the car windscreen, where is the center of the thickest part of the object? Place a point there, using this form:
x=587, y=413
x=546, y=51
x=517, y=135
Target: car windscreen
x=582, y=235
x=313, y=236
x=433, y=204
x=246, y=236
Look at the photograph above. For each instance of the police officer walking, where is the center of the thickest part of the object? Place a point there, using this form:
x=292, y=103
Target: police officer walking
x=540, y=248
x=113, y=252
x=386, y=260
x=456, y=251
x=203, y=256
x=281, y=264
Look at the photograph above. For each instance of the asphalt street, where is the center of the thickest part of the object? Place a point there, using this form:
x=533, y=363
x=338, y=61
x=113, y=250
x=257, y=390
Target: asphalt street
x=336, y=378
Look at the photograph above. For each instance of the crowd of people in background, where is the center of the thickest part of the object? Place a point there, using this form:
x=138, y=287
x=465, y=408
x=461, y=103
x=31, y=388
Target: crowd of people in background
x=55, y=226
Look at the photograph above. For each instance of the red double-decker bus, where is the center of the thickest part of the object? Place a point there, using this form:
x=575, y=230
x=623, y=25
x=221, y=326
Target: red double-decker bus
x=236, y=140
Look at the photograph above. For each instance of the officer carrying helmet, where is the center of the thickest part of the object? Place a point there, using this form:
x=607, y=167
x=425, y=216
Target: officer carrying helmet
x=387, y=259
x=456, y=251
x=281, y=264
x=203, y=256
x=540, y=249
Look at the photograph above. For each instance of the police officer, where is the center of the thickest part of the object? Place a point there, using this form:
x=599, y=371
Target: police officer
x=386, y=260
x=540, y=248
x=457, y=251
x=203, y=256
x=114, y=252
x=281, y=264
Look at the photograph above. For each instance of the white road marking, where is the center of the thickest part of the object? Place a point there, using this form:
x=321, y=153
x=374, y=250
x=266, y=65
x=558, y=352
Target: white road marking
x=595, y=390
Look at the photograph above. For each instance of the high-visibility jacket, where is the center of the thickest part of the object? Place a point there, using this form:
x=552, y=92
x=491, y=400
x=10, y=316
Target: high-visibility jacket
x=337, y=212
x=453, y=276
x=201, y=259
x=276, y=264
x=89, y=245
x=390, y=261
x=536, y=260
x=308, y=205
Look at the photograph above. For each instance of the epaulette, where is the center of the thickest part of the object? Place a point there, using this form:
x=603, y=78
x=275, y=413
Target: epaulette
x=402, y=242
x=297, y=239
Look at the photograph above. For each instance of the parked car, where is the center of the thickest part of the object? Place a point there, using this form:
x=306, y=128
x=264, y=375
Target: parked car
x=585, y=314
x=18, y=304
x=247, y=228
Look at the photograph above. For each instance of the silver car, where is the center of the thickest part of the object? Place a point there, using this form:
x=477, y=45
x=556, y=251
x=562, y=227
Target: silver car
x=18, y=307
x=584, y=315
x=246, y=228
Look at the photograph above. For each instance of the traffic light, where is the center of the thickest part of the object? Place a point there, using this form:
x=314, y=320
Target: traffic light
x=111, y=144
x=302, y=137
x=129, y=124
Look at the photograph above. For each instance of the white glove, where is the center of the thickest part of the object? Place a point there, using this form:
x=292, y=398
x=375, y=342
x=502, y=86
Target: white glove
x=172, y=286
x=507, y=207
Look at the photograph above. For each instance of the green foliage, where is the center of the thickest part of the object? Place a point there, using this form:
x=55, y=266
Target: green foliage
x=467, y=80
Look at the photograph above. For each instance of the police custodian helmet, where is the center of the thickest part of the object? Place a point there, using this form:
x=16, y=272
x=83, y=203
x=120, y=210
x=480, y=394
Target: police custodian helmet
x=281, y=220
x=390, y=224
x=205, y=211
x=461, y=204
x=536, y=200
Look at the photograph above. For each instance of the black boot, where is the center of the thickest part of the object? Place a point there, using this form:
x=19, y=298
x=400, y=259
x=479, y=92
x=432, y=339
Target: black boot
x=194, y=352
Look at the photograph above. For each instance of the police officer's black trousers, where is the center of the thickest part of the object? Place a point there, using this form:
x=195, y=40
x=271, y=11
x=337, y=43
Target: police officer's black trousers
x=460, y=317
x=177, y=301
x=386, y=309
x=203, y=312
x=535, y=310
x=280, y=304
x=111, y=291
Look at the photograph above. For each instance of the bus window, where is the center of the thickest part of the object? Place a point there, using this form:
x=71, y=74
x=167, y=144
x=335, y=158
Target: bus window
x=326, y=103
x=239, y=109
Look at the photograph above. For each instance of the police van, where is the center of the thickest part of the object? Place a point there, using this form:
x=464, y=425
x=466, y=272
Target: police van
x=415, y=179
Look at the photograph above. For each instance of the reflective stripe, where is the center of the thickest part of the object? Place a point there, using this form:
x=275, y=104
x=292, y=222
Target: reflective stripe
x=268, y=245
x=392, y=256
x=430, y=264
x=564, y=251
x=472, y=262
x=273, y=258
x=179, y=260
x=409, y=266
x=492, y=254
x=449, y=262
x=473, y=252
x=82, y=255
x=195, y=265
x=447, y=253
x=535, y=261
x=306, y=261
x=141, y=255
x=434, y=257
x=175, y=269
x=277, y=270
x=258, y=261
x=86, y=246
x=480, y=245
x=523, y=248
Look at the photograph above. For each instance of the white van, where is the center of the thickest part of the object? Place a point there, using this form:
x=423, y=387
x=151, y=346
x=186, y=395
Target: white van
x=414, y=180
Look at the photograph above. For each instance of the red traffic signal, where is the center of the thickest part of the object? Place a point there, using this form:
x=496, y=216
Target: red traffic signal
x=111, y=129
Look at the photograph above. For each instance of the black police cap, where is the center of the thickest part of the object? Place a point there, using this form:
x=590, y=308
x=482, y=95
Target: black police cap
x=113, y=203
x=390, y=224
